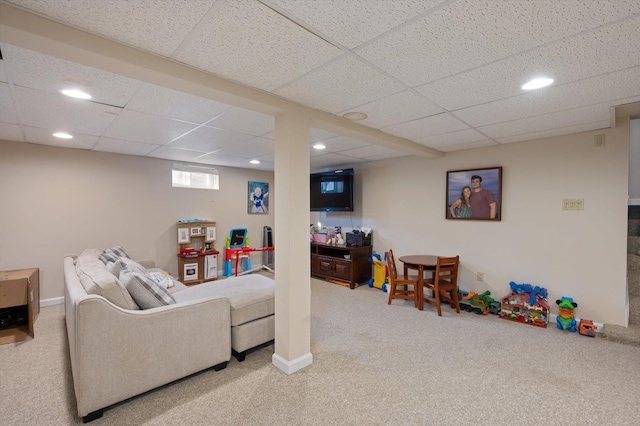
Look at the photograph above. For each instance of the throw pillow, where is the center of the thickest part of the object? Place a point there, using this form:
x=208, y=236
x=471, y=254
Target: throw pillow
x=144, y=290
x=124, y=263
x=107, y=257
x=161, y=278
x=118, y=251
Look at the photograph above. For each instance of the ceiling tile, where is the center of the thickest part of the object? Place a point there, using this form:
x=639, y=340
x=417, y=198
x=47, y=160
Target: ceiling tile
x=583, y=56
x=176, y=154
x=62, y=113
x=341, y=85
x=598, y=89
x=468, y=145
x=244, y=121
x=397, y=108
x=7, y=111
x=146, y=128
x=556, y=132
x=158, y=26
x=317, y=135
x=566, y=118
x=3, y=72
x=208, y=139
x=268, y=42
x=119, y=146
x=45, y=137
x=369, y=151
x=250, y=149
x=452, y=40
x=352, y=23
x=26, y=69
x=167, y=103
x=434, y=125
x=339, y=144
x=11, y=132
x=332, y=161
x=227, y=160
x=454, y=138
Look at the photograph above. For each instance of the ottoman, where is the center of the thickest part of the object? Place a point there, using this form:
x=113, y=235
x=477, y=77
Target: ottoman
x=252, y=308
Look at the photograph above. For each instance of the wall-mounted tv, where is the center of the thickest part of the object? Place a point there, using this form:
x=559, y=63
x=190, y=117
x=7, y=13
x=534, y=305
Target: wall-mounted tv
x=332, y=191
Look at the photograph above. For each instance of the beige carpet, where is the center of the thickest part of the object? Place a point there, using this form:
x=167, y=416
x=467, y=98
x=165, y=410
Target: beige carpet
x=373, y=364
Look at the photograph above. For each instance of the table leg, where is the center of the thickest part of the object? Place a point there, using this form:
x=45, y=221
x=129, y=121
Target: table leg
x=421, y=287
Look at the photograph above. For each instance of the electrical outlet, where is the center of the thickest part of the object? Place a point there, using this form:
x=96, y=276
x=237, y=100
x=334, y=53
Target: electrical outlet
x=573, y=204
x=480, y=276
x=599, y=140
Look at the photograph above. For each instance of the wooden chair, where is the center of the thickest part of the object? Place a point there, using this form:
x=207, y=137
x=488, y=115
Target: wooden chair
x=444, y=283
x=398, y=287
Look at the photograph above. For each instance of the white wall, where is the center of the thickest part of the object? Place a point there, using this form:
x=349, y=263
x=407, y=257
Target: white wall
x=56, y=201
x=579, y=254
x=634, y=163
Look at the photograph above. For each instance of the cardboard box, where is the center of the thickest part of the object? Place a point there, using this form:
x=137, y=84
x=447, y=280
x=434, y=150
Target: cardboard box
x=19, y=289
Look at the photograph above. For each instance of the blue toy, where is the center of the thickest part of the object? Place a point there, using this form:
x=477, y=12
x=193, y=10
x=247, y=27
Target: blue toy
x=532, y=291
x=566, y=314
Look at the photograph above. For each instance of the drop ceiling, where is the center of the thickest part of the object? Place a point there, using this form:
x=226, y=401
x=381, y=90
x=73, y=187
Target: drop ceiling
x=441, y=75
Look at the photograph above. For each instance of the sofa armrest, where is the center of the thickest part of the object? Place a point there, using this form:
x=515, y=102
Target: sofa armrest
x=131, y=352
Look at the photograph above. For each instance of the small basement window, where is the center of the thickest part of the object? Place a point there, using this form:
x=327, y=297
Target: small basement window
x=194, y=176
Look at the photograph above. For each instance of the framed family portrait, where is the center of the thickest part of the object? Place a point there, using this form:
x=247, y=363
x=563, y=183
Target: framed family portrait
x=474, y=194
x=258, y=202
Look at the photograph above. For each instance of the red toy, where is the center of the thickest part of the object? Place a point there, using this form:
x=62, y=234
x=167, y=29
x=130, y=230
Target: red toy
x=586, y=328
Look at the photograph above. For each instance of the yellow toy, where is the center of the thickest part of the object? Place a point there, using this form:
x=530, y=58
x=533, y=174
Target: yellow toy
x=379, y=272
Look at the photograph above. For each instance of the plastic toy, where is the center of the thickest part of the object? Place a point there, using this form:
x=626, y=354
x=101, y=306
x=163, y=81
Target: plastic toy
x=586, y=328
x=566, y=314
x=532, y=291
x=236, y=248
x=379, y=273
x=478, y=303
x=525, y=304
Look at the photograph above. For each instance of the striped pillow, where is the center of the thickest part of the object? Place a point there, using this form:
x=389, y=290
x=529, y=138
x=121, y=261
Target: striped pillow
x=107, y=257
x=118, y=251
x=144, y=290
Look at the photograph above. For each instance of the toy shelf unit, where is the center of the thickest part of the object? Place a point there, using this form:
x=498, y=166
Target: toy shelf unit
x=341, y=263
x=197, y=255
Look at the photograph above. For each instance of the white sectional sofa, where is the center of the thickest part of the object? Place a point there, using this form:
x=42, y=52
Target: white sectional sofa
x=119, y=350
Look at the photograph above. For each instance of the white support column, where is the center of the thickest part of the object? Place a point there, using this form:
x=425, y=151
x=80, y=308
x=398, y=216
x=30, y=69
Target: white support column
x=293, y=277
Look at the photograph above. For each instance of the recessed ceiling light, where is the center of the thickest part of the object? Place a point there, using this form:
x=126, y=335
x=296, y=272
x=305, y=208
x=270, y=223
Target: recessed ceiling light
x=537, y=83
x=254, y=162
x=63, y=135
x=319, y=146
x=355, y=116
x=74, y=93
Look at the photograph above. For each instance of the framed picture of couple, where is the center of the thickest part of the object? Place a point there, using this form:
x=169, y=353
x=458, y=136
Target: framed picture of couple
x=474, y=194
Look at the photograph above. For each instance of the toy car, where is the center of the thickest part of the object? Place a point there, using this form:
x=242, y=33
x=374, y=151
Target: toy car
x=586, y=328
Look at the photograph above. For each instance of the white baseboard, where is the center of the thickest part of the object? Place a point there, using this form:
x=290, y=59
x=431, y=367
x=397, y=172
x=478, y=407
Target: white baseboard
x=52, y=302
x=634, y=201
x=291, y=367
x=599, y=326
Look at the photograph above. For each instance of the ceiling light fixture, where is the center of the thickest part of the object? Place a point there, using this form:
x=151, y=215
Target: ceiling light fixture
x=254, y=162
x=537, y=83
x=74, y=93
x=63, y=135
x=355, y=116
x=319, y=146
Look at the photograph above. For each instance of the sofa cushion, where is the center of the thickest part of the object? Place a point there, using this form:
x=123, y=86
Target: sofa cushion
x=97, y=280
x=251, y=296
x=145, y=291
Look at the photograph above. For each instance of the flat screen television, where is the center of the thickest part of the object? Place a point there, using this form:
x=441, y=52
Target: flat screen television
x=332, y=191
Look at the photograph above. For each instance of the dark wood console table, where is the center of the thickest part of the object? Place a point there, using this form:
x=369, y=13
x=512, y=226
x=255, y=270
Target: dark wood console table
x=330, y=262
